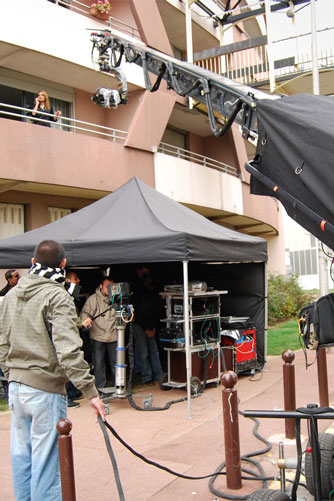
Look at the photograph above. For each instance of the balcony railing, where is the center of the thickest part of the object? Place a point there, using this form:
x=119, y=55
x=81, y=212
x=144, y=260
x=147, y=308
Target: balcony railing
x=250, y=66
x=111, y=22
x=64, y=123
x=211, y=163
x=72, y=125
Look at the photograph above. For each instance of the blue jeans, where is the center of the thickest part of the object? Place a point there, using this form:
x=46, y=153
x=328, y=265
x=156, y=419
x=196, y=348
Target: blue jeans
x=34, y=442
x=148, y=353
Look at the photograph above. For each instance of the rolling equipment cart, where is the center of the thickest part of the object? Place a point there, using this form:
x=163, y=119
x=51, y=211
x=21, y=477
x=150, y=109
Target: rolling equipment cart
x=204, y=331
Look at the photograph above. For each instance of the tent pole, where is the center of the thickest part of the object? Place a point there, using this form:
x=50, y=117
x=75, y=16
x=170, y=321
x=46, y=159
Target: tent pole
x=186, y=331
x=265, y=311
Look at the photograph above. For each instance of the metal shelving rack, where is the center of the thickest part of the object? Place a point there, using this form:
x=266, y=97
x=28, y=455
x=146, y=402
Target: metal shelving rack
x=204, y=308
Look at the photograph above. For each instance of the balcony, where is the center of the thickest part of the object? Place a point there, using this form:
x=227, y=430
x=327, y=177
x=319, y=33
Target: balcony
x=195, y=158
x=76, y=158
x=64, y=58
x=213, y=189
x=293, y=73
x=79, y=161
x=110, y=23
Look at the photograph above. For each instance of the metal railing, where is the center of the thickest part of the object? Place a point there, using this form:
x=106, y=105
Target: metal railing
x=72, y=125
x=211, y=163
x=64, y=123
x=250, y=66
x=111, y=22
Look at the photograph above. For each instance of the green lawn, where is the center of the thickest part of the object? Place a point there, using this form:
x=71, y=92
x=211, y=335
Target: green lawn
x=283, y=337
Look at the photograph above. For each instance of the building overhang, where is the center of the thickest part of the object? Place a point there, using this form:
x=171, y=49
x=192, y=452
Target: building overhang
x=236, y=222
x=50, y=189
x=54, y=69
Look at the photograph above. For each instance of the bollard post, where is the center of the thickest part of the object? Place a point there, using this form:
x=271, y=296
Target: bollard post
x=289, y=388
x=231, y=430
x=322, y=377
x=64, y=427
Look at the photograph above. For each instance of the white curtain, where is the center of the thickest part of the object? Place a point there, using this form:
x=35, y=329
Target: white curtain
x=11, y=220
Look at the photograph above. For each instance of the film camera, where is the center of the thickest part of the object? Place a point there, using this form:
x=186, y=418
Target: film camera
x=107, y=98
x=119, y=301
x=119, y=294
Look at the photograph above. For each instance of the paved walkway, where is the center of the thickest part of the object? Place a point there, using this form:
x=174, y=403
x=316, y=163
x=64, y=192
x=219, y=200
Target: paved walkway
x=193, y=446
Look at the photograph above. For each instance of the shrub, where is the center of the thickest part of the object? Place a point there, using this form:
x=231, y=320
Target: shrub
x=285, y=298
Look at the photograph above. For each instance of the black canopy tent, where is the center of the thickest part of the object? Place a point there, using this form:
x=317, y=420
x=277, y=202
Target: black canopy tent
x=135, y=223
x=294, y=160
x=138, y=224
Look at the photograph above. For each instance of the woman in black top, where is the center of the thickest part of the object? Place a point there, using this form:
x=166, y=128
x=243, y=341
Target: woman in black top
x=42, y=104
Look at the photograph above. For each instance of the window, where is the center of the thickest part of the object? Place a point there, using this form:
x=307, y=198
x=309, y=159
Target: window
x=25, y=99
x=304, y=262
x=178, y=53
x=175, y=138
x=11, y=220
x=55, y=213
x=313, y=241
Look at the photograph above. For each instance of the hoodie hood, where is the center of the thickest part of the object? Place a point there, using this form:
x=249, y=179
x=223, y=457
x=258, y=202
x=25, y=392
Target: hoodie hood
x=30, y=285
x=105, y=299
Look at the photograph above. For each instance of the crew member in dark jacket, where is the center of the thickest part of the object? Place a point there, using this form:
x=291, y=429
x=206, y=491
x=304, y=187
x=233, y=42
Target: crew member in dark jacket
x=146, y=303
x=12, y=277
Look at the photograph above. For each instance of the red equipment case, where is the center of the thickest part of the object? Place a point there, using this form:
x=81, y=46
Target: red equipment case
x=240, y=354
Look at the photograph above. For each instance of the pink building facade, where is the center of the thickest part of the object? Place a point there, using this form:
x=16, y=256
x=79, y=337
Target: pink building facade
x=92, y=151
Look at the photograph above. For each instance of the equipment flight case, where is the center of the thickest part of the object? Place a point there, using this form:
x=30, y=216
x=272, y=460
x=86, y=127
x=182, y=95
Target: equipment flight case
x=238, y=342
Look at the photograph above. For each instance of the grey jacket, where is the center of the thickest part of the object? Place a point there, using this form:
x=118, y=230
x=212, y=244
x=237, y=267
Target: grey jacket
x=40, y=345
x=104, y=327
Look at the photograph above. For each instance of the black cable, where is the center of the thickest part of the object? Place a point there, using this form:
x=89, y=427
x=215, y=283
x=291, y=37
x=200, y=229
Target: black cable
x=153, y=463
x=236, y=5
x=130, y=398
x=231, y=496
x=247, y=458
x=175, y=83
x=213, y=124
x=325, y=252
x=156, y=85
x=112, y=458
x=131, y=54
x=117, y=62
x=254, y=476
x=331, y=258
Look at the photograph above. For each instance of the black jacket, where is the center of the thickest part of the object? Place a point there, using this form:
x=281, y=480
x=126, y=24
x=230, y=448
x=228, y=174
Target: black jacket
x=147, y=304
x=39, y=114
x=4, y=291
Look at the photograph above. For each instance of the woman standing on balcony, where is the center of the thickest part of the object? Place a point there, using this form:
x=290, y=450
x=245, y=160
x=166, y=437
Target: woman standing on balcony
x=42, y=105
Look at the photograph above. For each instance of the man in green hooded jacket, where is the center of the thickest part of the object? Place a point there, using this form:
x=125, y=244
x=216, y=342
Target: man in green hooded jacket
x=40, y=349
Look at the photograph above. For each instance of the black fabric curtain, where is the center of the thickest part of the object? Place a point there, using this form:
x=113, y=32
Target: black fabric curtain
x=295, y=151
